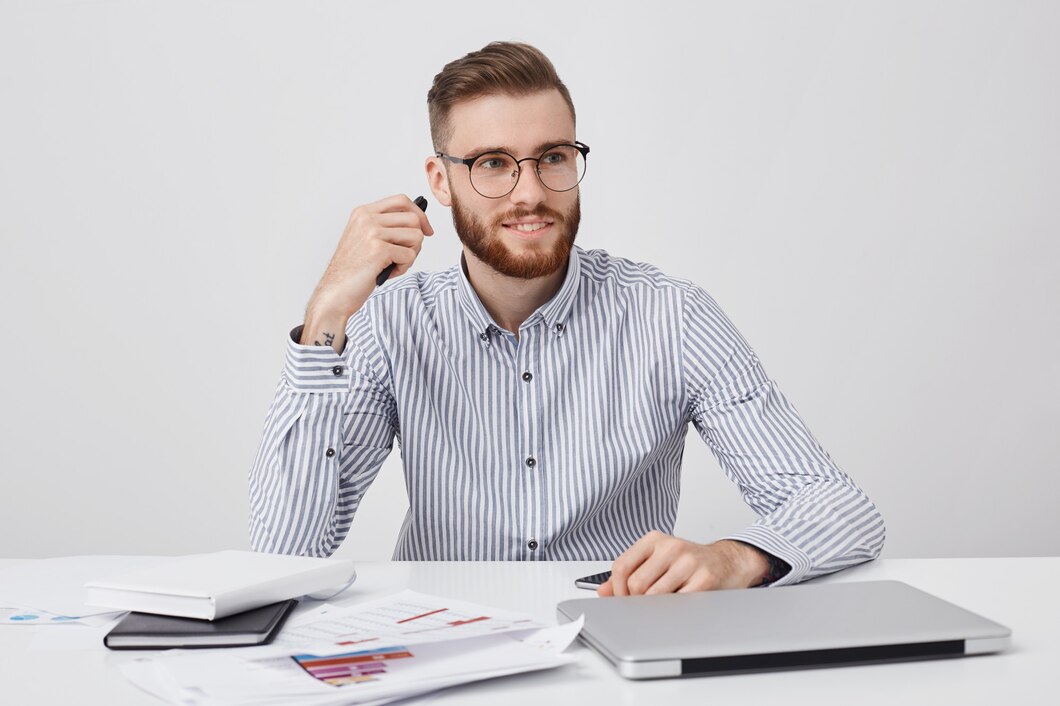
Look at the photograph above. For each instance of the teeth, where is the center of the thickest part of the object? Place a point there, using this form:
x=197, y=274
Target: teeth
x=528, y=227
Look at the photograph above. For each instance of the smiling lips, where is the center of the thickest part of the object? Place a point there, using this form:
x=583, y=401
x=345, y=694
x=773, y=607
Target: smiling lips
x=528, y=228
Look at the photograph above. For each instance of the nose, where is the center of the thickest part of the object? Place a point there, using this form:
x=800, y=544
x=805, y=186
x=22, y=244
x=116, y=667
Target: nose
x=528, y=191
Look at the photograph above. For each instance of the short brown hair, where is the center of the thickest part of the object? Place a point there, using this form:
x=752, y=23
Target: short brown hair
x=509, y=68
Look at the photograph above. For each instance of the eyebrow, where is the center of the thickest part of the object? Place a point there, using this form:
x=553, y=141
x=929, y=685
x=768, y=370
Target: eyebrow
x=511, y=150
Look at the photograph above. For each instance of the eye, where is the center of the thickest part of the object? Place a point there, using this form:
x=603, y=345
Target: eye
x=554, y=158
x=493, y=163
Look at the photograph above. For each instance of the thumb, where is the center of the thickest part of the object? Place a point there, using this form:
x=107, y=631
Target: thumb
x=605, y=589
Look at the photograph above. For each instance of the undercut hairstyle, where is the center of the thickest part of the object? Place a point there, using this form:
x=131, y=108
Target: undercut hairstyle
x=506, y=68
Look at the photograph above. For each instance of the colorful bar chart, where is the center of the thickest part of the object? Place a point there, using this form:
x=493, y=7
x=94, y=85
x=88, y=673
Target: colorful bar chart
x=351, y=667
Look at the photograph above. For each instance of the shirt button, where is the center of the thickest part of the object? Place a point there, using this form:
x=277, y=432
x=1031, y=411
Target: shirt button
x=330, y=452
x=527, y=377
x=531, y=462
x=337, y=370
x=532, y=544
x=559, y=328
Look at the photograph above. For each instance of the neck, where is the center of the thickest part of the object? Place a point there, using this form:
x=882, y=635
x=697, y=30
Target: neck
x=510, y=300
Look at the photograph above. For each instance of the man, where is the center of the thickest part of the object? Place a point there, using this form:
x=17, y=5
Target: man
x=540, y=393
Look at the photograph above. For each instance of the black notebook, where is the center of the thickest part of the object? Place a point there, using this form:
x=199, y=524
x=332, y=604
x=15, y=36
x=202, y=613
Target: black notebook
x=146, y=631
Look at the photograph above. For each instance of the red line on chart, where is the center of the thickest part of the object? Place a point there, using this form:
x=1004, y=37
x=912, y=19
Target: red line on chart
x=417, y=617
x=356, y=642
x=454, y=623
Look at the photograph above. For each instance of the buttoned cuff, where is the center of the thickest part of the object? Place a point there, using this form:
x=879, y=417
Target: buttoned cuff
x=314, y=368
x=768, y=540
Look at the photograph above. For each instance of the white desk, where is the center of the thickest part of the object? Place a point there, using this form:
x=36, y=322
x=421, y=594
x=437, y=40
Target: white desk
x=1020, y=593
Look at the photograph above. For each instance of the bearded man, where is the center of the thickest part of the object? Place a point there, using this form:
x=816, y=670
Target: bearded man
x=540, y=393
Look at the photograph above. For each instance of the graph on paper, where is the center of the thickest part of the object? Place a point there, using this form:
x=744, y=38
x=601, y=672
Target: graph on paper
x=407, y=617
x=351, y=667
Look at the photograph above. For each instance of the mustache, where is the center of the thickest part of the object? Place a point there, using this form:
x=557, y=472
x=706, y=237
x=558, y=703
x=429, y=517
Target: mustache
x=539, y=212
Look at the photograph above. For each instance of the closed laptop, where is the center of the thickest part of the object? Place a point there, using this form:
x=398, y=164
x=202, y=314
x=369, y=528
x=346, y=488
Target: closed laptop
x=789, y=627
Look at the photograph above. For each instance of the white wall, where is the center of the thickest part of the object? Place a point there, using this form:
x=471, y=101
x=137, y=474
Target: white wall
x=869, y=190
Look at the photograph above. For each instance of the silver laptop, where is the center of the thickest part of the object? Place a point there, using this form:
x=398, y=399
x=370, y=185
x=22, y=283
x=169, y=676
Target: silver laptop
x=789, y=627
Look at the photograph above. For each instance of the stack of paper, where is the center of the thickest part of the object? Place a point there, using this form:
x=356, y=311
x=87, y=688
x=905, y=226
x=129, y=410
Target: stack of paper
x=49, y=591
x=218, y=584
x=386, y=649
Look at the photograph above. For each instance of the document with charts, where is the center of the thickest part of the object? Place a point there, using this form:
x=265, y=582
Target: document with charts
x=373, y=652
x=403, y=617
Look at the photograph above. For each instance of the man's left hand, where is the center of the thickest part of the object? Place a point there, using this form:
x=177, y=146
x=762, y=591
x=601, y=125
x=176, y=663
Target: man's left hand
x=661, y=563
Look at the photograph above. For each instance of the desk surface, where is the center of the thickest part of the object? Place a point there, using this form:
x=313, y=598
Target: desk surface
x=1017, y=592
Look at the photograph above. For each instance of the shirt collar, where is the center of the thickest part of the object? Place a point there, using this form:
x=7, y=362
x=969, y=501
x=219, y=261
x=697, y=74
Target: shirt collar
x=553, y=313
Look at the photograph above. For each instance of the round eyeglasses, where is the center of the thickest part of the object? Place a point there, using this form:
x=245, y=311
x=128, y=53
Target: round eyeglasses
x=495, y=174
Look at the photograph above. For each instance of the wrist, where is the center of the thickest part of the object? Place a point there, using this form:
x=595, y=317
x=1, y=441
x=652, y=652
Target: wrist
x=757, y=566
x=749, y=564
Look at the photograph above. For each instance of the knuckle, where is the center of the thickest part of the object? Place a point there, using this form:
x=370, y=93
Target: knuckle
x=686, y=563
x=671, y=549
x=704, y=580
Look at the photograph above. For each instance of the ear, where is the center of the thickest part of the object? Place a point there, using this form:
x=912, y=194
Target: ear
x=438, y=180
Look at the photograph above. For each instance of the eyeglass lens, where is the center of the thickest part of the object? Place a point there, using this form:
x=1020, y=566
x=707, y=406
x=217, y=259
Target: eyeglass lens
x=494, y=174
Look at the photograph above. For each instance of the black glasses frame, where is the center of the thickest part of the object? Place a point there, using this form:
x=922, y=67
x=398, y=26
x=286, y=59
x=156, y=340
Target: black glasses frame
x=470, y=161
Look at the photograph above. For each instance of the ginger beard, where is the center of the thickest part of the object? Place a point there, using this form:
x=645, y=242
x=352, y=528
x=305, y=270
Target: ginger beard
x=487, y=243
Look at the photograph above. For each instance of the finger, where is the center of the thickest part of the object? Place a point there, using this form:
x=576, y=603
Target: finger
x=675, y=578
x=630, y=560
x=647, y=574
x=701, y=580
x=605, y=589
x=402, y=261
x=695, y=583
x=397, y=202
x=400, y=255
x=397, y=219
x=400, y=202
x=406, y=237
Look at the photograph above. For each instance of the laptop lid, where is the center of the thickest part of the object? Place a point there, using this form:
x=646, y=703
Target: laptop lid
x=789, y=627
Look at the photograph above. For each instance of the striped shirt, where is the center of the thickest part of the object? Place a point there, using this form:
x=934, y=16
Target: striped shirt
x=563, y=444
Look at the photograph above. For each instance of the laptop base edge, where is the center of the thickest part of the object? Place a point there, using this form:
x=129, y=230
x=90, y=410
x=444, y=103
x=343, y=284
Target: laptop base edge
x=809, y=659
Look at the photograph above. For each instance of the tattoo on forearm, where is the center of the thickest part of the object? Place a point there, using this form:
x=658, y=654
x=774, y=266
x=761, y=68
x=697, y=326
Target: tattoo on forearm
x=329, y=338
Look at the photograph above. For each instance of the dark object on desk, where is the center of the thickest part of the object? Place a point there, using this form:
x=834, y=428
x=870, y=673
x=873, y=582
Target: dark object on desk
x=787, y=627
x=593, y=581
x=385, y=274
x=146, y=631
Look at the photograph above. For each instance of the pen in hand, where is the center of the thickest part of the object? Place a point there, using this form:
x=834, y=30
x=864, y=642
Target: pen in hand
x=385, y=274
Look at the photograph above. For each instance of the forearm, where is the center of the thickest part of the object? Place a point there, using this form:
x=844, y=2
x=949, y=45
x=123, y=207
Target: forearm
x=325, y=437
x=294, y=480
x=822, y=528
x=325, y=325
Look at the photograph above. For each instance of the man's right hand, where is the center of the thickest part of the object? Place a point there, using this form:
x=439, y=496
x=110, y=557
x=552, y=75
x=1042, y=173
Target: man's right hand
x=377, y=234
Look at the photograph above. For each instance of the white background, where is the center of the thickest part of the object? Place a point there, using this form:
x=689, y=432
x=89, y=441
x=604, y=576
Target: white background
x=869, y=190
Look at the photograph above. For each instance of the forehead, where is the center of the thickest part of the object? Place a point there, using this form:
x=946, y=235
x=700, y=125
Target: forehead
x=522, y=123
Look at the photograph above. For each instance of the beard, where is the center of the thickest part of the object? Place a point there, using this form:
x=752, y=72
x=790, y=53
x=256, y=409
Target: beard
x=484, y=240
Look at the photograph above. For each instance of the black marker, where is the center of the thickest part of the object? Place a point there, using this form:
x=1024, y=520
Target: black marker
x=385, y=274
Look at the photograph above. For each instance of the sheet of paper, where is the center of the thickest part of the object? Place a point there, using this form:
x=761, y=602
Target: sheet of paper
x=56, y=585
x=34, y=616
x=407, y=617
x=364, y=676
x=403, y=657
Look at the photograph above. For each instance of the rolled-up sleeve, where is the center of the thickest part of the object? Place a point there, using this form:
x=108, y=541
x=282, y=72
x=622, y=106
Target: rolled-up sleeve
x=330, y=427
x=811, y=514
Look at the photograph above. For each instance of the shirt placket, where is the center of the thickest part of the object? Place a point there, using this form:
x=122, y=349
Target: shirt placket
x=535, y=459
